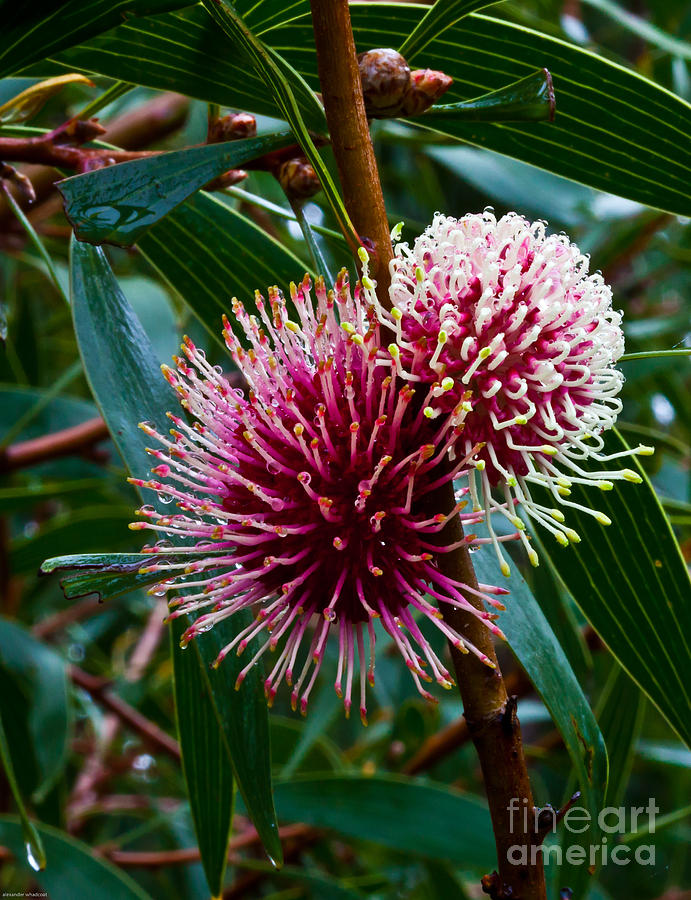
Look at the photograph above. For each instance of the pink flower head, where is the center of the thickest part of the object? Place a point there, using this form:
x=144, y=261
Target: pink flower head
x=502, y=310
x=306, y=492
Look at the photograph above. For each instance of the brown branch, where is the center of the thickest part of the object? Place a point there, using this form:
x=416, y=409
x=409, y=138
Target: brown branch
x=149, y=123
x=68, y=442
x=77, y=612
x=154, y=736
x=41, y=150
x=344, y=105
x=456, y=734
x=156, y=858
x=490, y=714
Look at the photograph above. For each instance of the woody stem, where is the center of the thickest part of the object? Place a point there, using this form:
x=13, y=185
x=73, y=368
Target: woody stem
x=489, y=712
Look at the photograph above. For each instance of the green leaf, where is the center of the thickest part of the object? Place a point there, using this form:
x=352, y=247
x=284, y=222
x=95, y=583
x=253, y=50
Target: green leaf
x=646, y=30
x=620, y=715
x=185, y=51
x=209, y=253
x=40, y=674
x=244, y=724
x=72, y=870
x=539, y=652
x=441, y=15
x=106, y=575
x=33, y=31
x=418, y=818
x=614, y=130
x=117, y=204
x=124, y=377
x=31, y=844
x=632, y=584
x=529, y=100
x=92, y=527
x=210, y=786
x=35, y=492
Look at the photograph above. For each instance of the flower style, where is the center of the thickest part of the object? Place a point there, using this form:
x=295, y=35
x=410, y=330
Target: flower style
x=500, y=309
x=305, y=493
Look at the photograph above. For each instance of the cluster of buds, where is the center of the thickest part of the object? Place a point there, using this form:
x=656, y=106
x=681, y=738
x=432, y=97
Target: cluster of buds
x=298, y=179
x=391, y=89
x=232, y=127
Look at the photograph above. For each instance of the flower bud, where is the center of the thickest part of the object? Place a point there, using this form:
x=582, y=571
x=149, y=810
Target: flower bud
x=226, y=180
x=298, y=179
x=385, y=78
x=233, y=127
x=425, y=88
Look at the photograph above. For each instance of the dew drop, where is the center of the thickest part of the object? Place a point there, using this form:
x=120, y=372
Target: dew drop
x=165, y=499
x=330, y=615
x=273, y=468
x=164, y=545
x=31, y=857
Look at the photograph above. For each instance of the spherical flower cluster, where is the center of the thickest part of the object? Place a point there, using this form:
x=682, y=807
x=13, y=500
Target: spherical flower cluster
x=305, y=495
x=500, y=309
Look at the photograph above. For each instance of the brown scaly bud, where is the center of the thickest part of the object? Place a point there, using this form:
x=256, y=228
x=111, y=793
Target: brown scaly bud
x=425, y=88
x=76, y=131
x=22, y=183
x=233, y=127
x=385, y=77
x=226, y=180
x=298, y=179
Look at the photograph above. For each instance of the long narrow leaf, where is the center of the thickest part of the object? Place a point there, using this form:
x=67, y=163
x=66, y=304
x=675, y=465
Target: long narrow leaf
x=632, y=584
x=117, y=204
x=124, y=378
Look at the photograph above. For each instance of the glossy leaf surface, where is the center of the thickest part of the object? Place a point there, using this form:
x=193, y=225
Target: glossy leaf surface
x=632, y=584
x=614, y=130
x=117, y=204
x=410, y=816
x=72, y=870
x=101, y=311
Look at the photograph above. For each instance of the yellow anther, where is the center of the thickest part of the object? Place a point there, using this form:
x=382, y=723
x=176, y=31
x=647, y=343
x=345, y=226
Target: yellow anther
x=394, y=350
x=419, y=274
x=292, y=326
x=429, y=412
x=632, y=476
x=533, y=557
x=605, y=485
x=557, y=514
x=447, y=384
x=396, y=314
x=348, y=328
x=602, y=518
x=573, y=535
x=505, y=569
x=643, y=450
x=363, y=255
x=480, y=465
x=561, y=538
